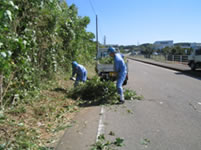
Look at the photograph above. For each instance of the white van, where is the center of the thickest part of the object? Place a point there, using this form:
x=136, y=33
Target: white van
x=194, y=60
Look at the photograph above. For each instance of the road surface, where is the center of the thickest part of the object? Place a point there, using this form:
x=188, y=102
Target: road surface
x=168, y=117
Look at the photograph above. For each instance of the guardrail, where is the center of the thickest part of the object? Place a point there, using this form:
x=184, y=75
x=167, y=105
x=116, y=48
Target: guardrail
x=183, y=59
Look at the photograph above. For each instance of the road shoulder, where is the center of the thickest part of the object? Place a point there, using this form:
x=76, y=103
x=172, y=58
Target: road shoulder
x=83, y=132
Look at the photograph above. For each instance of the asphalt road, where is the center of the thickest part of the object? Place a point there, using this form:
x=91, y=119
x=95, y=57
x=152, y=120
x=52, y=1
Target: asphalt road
x=168, y=117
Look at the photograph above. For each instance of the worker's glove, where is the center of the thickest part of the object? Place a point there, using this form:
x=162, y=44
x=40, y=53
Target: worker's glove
x=72, y=78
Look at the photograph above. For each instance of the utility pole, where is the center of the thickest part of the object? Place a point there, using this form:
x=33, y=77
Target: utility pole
x=96, y=33
x=104, y=40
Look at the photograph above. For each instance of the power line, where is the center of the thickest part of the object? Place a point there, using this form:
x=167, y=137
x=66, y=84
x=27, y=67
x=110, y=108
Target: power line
x=91, y=4
x=94, y=11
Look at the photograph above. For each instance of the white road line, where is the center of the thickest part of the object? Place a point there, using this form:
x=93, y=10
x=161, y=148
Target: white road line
x=101, y=124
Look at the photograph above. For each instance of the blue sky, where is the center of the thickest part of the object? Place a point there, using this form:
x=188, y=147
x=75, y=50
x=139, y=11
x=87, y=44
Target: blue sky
x=133, y=22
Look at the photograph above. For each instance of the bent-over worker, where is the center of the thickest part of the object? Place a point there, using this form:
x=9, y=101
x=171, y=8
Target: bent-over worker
x=80, y=71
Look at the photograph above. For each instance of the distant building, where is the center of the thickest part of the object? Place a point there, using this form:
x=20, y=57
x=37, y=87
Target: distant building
x=162, y=44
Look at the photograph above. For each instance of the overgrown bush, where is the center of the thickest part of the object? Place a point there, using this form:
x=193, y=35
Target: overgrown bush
x=38, y=38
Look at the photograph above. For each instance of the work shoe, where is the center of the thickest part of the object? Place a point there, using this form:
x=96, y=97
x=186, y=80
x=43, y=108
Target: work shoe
x=122, y=98
x=121, y=102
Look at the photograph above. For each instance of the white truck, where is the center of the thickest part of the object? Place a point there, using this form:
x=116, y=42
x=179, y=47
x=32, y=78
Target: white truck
x=194, y=60
x=106, y=71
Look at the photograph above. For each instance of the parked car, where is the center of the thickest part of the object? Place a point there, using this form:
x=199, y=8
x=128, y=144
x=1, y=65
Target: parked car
x=194, y=60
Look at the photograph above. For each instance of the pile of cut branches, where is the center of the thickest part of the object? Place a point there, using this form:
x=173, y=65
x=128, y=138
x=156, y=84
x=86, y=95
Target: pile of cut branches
x=109, y=60
x=106, y=60
x=95, y=92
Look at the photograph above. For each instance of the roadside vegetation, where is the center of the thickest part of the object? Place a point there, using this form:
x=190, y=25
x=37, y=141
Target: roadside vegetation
x=38, y=41
x=148, y=49
x=37, y=124
x=104, y=144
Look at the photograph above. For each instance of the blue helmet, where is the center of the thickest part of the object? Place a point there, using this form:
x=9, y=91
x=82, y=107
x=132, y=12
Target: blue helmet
x=111, y=50
x=74, y=63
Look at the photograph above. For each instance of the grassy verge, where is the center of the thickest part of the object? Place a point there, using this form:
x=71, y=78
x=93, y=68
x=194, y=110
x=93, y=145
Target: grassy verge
x=38, y=122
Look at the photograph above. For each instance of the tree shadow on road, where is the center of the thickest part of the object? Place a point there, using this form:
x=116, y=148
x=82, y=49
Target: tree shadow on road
x=194, y=74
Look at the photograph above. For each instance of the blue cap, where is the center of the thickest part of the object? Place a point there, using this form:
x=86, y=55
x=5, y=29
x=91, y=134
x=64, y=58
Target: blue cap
x=74, y=63
x=111, y=50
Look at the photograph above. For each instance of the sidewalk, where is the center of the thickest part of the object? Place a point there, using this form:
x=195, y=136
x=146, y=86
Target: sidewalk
x=172, y=66
x=182, y=68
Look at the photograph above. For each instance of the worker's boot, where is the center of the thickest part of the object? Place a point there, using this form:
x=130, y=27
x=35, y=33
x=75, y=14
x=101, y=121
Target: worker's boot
x=122, y=100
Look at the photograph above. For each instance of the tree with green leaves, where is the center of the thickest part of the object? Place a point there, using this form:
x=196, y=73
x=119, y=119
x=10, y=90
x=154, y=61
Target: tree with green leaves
x=38, y=38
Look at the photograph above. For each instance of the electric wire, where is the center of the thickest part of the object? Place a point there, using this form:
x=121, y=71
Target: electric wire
x=94, y=11
x=91, y=4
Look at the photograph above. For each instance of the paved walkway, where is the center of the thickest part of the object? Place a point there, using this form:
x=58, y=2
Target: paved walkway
x=184, y=69
x=173, y=66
